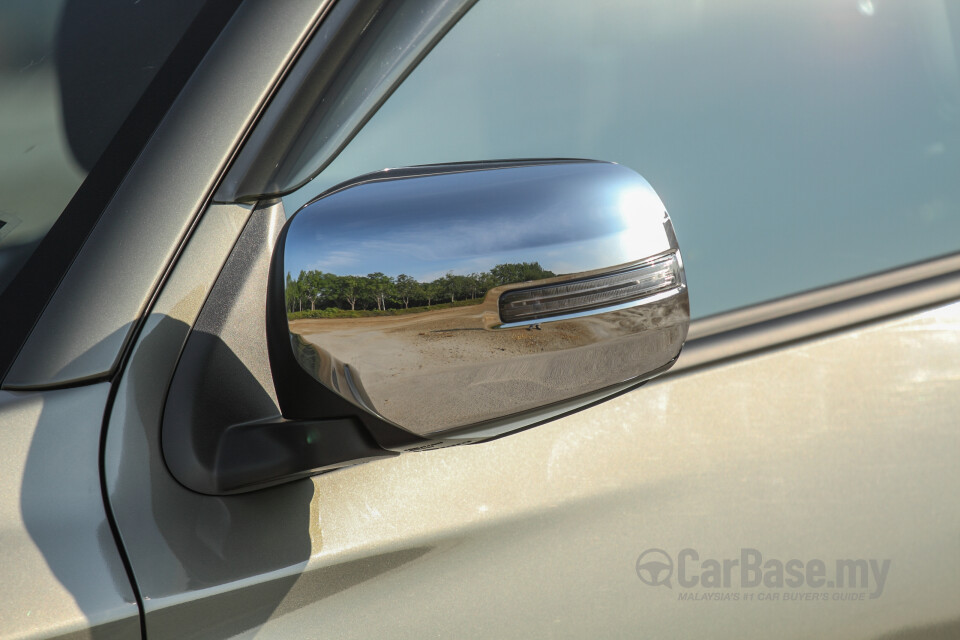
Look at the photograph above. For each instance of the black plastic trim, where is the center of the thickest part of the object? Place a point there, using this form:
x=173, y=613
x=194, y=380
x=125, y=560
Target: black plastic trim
x=259, y=455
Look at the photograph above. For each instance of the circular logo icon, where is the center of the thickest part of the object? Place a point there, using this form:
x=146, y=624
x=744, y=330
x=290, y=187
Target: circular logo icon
x=655, y=567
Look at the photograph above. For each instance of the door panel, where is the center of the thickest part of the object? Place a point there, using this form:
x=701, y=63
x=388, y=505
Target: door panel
x=842, y=447
x=834, y=448
x=62, y=574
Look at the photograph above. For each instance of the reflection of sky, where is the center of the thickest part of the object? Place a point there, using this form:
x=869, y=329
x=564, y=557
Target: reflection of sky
x=790, y=141
x=559, y=216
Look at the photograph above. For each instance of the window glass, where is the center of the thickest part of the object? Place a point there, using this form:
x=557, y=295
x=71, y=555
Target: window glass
x=70, y=73
x=795, y=144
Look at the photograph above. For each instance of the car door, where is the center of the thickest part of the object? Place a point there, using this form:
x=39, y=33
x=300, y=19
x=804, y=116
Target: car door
x=790, y=476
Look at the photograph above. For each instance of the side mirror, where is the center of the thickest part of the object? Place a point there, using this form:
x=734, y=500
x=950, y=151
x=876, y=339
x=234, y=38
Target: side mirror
x=456, y=302
x=426, y=307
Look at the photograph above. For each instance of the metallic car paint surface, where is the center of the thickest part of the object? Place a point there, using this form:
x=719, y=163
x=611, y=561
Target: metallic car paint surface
x=834, y=447
x=62, y=575
x=840, y=447
x=205, y=566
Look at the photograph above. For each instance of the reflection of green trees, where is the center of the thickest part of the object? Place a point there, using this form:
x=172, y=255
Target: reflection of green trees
x=318, y=290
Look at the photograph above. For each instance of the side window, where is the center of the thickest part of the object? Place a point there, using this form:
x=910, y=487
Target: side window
x=795, y=144
x=71, y=71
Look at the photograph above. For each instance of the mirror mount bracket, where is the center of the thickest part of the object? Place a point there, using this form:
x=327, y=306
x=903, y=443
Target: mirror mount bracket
x=227, y=426
x=244, y=411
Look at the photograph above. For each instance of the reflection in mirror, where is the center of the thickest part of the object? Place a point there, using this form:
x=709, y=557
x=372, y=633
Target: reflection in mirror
x=446, y=297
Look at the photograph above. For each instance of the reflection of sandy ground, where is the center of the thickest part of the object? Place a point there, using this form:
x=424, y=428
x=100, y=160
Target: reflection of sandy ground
x=445, y=368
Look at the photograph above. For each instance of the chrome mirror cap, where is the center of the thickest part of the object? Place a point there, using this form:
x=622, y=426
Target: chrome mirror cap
x=458, y=301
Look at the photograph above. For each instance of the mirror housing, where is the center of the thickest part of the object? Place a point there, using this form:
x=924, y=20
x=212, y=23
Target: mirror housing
x=492, y=292
x=559, y=284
